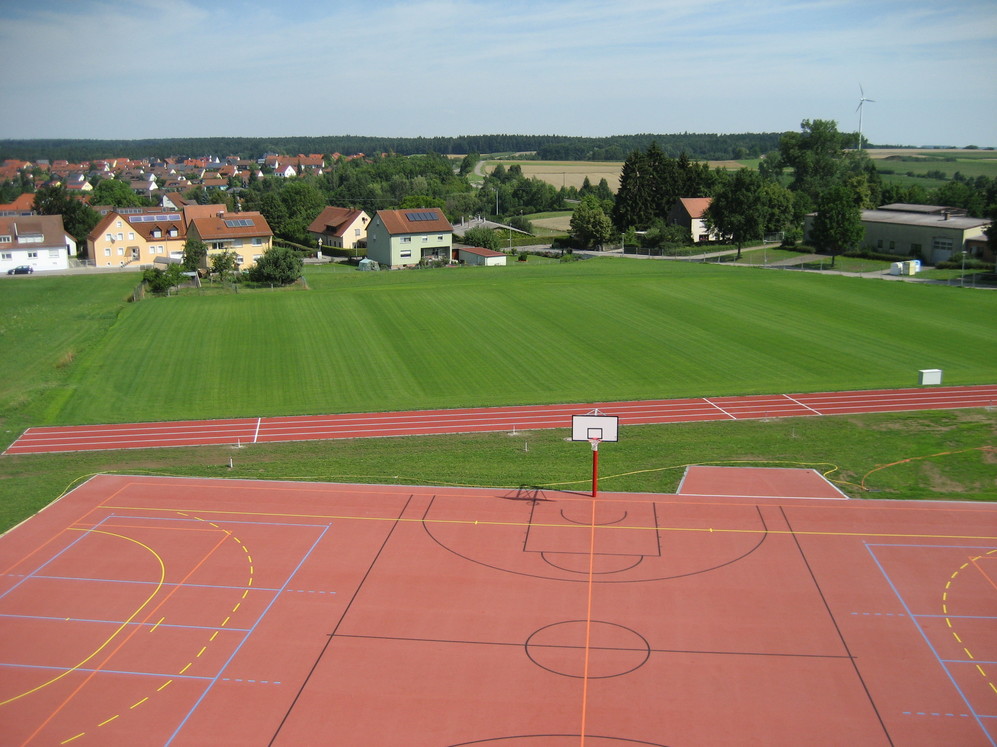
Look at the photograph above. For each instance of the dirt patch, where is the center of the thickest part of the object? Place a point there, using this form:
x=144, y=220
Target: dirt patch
x=938, y=482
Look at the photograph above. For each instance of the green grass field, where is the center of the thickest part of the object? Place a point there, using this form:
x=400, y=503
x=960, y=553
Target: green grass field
x=594, y=330
x=74, y=351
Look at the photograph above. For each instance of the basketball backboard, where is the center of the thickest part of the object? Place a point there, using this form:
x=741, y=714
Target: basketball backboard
x=588, y=427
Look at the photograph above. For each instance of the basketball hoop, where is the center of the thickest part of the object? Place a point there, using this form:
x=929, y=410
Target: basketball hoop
x=595, y=443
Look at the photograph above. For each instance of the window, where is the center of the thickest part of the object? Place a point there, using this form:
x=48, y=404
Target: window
x=53, y=253
x=32, y=255
x=406, y=239
x=6, y=255
x=425, y=239
x=237, y=242
x=107, y=251
x=118, y=224
x=4, y=239
x=131, y=236
x=121, y=236
x=110, y=237
x=941, y=244
x=173, y=232
x=121, y=251
x=257, y=241
x=406, y=253
x=156, y=233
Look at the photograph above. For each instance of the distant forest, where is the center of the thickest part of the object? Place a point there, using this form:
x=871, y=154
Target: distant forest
x=545, y=147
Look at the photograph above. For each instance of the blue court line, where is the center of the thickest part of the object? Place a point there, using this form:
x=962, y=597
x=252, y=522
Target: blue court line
x=50, y=618
x=160, y=675
x=82, y=535
x=165, y=584
x=245, y=638
x=924, y=635
x=150, y=517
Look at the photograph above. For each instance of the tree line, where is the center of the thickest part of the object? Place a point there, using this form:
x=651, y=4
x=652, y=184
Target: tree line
x=545, y=147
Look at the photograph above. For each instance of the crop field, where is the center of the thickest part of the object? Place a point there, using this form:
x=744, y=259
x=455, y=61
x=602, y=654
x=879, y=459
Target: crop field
x=573, y=173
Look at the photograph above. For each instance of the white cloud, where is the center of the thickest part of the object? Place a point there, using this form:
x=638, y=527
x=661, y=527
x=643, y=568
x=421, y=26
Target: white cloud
x=456, y=66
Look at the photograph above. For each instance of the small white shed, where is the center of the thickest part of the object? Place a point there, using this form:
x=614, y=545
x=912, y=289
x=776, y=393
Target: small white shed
x=476, y=255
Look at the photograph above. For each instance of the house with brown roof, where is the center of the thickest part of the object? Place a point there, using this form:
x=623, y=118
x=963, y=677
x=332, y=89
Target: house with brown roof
x=136, y=237
x=247, y=235
x=340, y=228
x=688, y=212
x=22, y=205
x=479, y=255
x=404, y=238
x=39, y=241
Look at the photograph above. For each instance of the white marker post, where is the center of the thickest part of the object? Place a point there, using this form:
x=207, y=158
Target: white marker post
x=594, y=427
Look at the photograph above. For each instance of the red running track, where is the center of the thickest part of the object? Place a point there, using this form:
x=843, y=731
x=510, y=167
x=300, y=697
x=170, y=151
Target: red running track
x=243, y=431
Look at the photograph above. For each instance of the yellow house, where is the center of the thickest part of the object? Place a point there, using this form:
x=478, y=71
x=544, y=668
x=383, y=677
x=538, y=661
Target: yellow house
x=136, y=238
x=247, y=235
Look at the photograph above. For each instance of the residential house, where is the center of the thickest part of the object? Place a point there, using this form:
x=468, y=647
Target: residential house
x=932, y=233
x=248, y=235
x=39, y=241
x=688, y=212
x=22, y=205
x=404, y=238
x=136, y=236
x=340, y=228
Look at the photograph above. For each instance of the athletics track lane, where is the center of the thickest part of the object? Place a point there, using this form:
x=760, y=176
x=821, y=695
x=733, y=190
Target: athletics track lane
x=243, y=431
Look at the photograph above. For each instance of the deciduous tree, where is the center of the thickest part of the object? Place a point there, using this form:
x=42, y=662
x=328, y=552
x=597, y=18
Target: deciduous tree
x=738, y=209
x=837, y=226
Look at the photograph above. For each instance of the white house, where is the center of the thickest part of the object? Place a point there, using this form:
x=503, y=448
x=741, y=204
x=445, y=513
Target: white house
x=39, y=241
x=404, y=238
x=477, y=255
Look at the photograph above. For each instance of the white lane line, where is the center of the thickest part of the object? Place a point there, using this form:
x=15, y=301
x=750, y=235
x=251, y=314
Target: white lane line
x=792, y=399
x=709, y=402
x=256, y=434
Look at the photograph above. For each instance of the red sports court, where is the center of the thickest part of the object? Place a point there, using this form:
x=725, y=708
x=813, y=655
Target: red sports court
x=753, y=607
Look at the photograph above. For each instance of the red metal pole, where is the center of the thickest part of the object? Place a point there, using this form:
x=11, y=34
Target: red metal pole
x=595, y=469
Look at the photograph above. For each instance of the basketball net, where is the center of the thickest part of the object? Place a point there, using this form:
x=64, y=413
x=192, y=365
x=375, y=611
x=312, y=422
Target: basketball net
x=595, y=443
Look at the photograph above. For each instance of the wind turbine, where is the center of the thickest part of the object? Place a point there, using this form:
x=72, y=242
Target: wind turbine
x=862, y=101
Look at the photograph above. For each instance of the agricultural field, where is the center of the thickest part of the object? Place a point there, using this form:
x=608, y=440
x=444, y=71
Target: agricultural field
x=573, y=173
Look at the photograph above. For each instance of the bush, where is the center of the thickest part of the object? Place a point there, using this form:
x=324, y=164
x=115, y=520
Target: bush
x=279, y=265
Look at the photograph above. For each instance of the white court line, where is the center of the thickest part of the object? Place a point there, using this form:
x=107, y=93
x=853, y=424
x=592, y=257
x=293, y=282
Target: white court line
x=707, y=401
x=792, y=399
x=256, y=433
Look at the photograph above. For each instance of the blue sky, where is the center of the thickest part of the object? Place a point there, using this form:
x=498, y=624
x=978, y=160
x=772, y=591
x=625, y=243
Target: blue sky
x=144, y=68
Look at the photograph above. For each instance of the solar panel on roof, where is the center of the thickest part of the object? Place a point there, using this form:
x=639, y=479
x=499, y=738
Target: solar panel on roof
x=238, y=222
x=147, y=218
x=420, y=216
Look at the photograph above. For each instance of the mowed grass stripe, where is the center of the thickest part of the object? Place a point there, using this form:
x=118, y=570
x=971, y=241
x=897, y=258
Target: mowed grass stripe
x=595, y=330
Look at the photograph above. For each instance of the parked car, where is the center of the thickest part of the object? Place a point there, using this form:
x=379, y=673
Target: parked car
x=21, y=270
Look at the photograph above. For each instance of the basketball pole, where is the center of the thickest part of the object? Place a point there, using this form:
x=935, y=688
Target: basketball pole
x=595, y=467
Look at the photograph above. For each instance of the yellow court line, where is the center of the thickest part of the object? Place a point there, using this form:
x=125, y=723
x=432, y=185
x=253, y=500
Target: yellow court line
x=159, y=585
x=797, y=533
